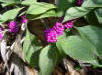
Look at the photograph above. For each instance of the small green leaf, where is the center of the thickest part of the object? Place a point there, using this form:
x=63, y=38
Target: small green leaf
x=9, y=15
x=61, y=40
x=98, y=13
x=31, y=48
x=65, y=4
x=50, y=13
x=6, y=4
x=75, y=12
x=28, y=2
x=10, y=2
x=92, y=3
x=39, y=8
x=48, y=60
x=91, y=18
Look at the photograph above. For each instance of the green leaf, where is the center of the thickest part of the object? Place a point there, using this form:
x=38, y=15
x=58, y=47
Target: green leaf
x=92, y=3
x=28, y=2
x=98, y=13
x=7, y=4
x=61, y=40
x=65, y=4
x=77, y=48
x=80, y=50
x=31, y=48
x=48, y=59
x=39, y=8
x=9, y=15
x=93, y=35
x=75, y=12
x=74, y=46
x=10, y=2
x=91, y=18
x=50, y=13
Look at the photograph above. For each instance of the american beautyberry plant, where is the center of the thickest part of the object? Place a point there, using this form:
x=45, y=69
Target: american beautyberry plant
x=46, y=47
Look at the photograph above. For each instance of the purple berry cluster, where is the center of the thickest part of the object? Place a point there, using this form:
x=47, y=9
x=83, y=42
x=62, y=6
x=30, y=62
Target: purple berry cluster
x=51, y=35
x=23, y=19
x=13, y=27
x=68, y=25
x=79, y=2
x=57, y=30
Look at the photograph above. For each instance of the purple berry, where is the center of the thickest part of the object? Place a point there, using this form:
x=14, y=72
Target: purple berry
x=79, y=2
x=50, y=35
x=23, y=19
x=68, y=25
x=59, y=28
x=13, y=28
